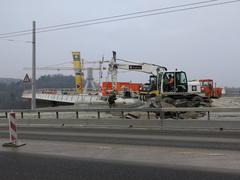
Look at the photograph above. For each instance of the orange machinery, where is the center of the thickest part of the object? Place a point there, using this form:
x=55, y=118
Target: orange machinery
x=209, y=90
x=107, y=87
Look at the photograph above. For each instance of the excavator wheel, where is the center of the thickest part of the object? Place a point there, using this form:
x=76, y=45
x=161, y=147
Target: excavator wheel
x=196, y=100
x=181, y=103
x=168, y=100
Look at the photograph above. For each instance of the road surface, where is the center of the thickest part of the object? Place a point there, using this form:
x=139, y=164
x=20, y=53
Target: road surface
x=15, y=166
x=120, y=153
x=218, y=139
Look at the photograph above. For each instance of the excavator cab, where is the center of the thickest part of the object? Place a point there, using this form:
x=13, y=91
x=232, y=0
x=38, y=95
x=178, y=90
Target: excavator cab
x=153, y=83
x=151, y=88
x=174, y=81
x=165, y=82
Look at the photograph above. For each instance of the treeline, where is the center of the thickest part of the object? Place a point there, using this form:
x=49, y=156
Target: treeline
x=10, y=96
x=55, y=81
x=232, y=91
x=10, y=93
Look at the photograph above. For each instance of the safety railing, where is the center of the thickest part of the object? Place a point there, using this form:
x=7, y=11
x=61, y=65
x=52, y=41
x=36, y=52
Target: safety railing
x=122, y=111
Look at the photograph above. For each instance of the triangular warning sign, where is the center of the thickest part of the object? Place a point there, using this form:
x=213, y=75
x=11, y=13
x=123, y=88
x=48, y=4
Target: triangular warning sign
x=26, y=79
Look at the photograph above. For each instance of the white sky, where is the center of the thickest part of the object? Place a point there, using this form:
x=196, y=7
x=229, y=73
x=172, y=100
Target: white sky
x=204, y=42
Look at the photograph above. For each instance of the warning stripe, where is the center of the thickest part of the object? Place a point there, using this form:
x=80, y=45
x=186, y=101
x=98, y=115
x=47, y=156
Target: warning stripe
x=14, y=133
x=13, y=138
x=12, y=127
x=12, y=114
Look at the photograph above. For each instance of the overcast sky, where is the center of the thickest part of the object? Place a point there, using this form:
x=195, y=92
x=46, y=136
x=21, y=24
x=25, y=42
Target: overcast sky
x=203, y=42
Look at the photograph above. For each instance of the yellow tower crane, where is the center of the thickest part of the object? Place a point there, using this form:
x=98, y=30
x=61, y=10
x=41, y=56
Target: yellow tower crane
x=78, y=72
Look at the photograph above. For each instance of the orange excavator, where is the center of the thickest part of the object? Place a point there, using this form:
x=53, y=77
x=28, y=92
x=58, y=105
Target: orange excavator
x=208, y=89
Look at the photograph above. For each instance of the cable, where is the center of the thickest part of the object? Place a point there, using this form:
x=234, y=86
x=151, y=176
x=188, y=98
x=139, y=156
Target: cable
x=13, y=40
x=184, y=9
x=59, y=64
x=111, y=17
x=127, y=18
x=140, y=16
x=128, y=61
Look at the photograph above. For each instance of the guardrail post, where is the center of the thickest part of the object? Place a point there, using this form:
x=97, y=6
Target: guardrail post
x=208, y=115
x=21, y=115
x=98, y=113
x=6, y=114
x=39, y=116
x=57, y=115
x=177, y=115
x=122, y=114
x=161, y=116
x=148, y=114
x=77, y=115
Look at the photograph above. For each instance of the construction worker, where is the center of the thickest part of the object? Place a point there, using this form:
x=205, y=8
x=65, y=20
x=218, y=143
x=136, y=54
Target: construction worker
x=170, y=82
x=111, y=99
x=153, y=85
x=126, y=92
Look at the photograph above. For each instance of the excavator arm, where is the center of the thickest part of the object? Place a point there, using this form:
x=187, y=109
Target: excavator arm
x=142, y=67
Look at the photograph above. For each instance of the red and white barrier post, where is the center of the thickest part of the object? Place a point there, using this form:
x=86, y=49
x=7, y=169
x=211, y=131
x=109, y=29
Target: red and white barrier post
x=12, y=131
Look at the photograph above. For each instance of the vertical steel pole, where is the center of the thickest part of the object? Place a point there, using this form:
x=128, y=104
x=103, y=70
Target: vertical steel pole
x=77, y=116
x=148, y=115
x=98, y=114
x=114, y=71
x=208, y=115
x=33, y=105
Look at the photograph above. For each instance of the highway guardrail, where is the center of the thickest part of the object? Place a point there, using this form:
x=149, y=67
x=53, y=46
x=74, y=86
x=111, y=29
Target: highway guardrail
x=161, y=111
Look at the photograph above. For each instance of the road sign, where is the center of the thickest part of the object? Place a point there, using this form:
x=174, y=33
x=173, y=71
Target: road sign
x=26, y=79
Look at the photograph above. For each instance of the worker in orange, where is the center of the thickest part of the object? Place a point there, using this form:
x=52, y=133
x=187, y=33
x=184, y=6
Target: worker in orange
x=170, y=82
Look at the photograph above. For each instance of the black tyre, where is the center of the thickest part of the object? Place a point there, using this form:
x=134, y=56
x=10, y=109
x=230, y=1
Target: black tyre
x=181, y=103
x=168, y=100
x=196, y=100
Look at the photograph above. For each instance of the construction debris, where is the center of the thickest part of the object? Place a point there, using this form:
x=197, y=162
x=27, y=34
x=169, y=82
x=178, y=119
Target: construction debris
x=131, y=116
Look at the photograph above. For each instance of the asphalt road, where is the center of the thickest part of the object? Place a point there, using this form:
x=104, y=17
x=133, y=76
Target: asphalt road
x=228, y=140
x=14, y=166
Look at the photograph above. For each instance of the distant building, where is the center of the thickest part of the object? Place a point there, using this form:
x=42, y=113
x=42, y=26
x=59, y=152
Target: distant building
x=232, y=91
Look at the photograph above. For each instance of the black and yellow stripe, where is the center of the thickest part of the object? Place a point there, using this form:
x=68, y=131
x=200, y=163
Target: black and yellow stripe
x=78, y=72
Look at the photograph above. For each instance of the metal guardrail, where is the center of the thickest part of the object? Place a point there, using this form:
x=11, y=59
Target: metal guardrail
x=161, y=111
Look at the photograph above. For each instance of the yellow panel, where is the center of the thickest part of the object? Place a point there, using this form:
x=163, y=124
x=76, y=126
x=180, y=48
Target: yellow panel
x=78, y=68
